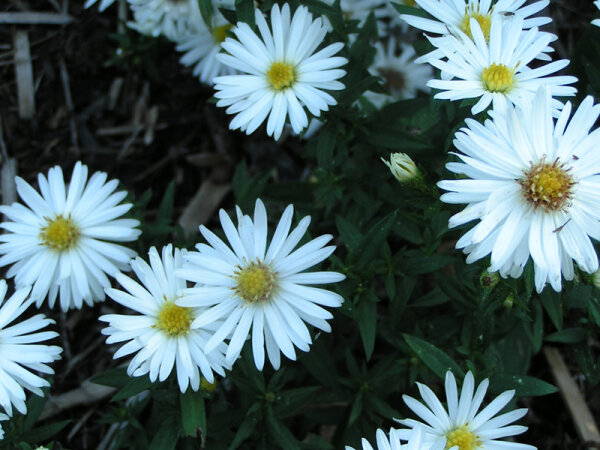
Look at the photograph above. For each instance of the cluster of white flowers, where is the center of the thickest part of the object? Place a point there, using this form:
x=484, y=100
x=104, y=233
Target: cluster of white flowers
x=62, y=244
x=461, y=427
x=529, y=173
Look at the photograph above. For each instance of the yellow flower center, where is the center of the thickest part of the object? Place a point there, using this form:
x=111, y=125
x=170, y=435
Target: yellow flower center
x=547, y=185
x=60, y=233
x=174, y=320
x=220, y=33
x=464, y=438
x=497, y=78
x=255, y=282
x=281, y=75
x=484, y=21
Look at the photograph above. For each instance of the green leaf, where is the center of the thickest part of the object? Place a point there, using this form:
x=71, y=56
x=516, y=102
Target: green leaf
x=525, y=386
x=319, y=364
x=165, y=209
x=280, y=433
x=371, y=244
x=585, y=361
x=247, y=427
x=416, y=262
x=247, y=189
x=350, y=234
x=206, y=10
x=367, y=322
x=434, y=358
x=410, y=10
x=35, y=405
x=245, y=11
x=357, y=407
x=193, y=413
x=44, y=433
x=551, y=301
x=166, y=438
x=567, y=336
x=117, y=378
x=133, y=387
x=325, y=145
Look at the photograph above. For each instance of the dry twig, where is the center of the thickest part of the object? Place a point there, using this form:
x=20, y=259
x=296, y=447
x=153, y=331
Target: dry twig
x=582, y=417
x=24, y=74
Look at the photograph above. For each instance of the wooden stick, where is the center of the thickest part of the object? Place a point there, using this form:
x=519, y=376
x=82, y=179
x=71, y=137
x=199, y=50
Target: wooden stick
x=580, y=413
x=203, y=205
x=24, y=74
x=34, y=18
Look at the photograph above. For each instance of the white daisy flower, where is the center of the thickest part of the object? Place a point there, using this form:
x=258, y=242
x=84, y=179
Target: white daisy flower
x=262, y=288
x=281, y=72
x=103, y=4
x=21, y=351
x=461, y=426
x=201, y=46
x=402, y=77
x=163, y=334
x=596, y=21
x=453, y=16
x=457, y=14
x=534, y=187
x=392, y=442
x=63, y=240
x=497, y=72
x=172, y=19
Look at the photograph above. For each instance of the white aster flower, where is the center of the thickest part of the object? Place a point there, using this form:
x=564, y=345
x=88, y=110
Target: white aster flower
x=281, y=73
x=596, y=21
x=172, y=19
x=497, y=72
x=402, y=77
x=534, y=187
x=163, y=334
x=262, y=288
x=457, y=14
x=21, y=351
x=103, y=4
x=201, y=46
x=392, y=442
x=461, y=426
x=63, y=240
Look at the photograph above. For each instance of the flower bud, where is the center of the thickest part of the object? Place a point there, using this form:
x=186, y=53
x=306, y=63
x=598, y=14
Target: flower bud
x=403, y=167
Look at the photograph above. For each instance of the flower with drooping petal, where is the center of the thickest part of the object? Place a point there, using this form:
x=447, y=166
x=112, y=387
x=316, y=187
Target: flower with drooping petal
x=402, y=78
x=21, y=350
x=462, y=425
x=281, y=73
x=63, y=241
x=533, y=187
x=163, y=334
x=497, y=72
x=260, y=290
x=172, y=19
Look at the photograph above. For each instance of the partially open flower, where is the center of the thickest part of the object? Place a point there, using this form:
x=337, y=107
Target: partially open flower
x=403, y=167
